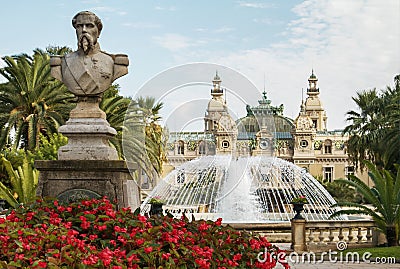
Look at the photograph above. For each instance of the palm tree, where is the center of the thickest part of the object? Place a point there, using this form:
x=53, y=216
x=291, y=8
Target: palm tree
x=375, y=128
x=115, y=107
x=153, y=131
x=150, y=110
x=32, y=102
x=143, y=136
x=392, y=133
x=384, y=197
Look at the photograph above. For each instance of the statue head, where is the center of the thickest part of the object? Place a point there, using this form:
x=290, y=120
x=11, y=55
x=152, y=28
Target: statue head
x=88, y=28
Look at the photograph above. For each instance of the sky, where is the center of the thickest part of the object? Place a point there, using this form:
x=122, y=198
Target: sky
x=272, y=45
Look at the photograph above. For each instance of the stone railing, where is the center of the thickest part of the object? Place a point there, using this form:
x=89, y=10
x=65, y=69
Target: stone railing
x=320, y=236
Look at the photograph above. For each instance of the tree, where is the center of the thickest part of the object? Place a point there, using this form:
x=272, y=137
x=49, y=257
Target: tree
x=143, y=136
x=384, y=198
x=341, y=192
x=374, y=129
x=48, y=147
x=115, y=107
x=32, y=102
x=153, y=131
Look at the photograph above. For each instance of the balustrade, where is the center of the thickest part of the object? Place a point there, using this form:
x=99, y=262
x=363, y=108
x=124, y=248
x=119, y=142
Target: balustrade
x=323, y=235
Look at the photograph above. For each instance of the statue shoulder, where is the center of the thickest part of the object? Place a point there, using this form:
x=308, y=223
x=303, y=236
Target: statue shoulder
x=55, y=60
x=121, y=63
x=105, y=56
x=119, y=59
x=55, y=66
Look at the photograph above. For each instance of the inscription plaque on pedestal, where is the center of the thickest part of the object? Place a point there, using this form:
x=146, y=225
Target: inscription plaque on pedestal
x=75, y=195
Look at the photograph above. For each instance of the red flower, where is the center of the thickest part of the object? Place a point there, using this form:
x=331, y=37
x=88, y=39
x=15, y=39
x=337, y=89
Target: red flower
x=93, y=237
x=166, y=256
x=204, y=226
x=237, y=257
x=148, y=250
x=120, y=230
x=92, y=259
x=120, y=239
x=42, y=264
x=204, y=264
x=142, y=218
x=139, y=241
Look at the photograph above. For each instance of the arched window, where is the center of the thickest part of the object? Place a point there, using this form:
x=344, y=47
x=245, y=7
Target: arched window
x=328, y=146
x=181, y=147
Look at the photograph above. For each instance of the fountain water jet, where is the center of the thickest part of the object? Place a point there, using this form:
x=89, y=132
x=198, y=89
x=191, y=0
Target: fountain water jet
x=238, y=201
x=244, y=190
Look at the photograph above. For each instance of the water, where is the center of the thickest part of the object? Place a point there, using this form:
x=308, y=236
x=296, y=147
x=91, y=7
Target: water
x=243, y=190
x=238, y=201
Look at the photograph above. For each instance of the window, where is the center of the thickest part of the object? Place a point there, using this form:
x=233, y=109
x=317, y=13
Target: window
x=328, y=174
x=225, y=144
x=349, y=170
x=202, y=147
x=303, y=143
x=315, y=123
x=328, y=147
x=181, y=147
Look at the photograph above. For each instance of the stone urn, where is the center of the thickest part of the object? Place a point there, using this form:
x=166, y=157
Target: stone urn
x=156, y=209
x=298, y=208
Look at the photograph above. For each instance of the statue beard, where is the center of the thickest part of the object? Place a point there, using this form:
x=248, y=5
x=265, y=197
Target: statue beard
x=86, y=43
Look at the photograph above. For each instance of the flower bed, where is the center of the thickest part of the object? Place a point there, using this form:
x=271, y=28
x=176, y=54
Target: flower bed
x=92, y=234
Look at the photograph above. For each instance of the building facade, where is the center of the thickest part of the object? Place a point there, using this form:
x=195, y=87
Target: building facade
x=265, y=130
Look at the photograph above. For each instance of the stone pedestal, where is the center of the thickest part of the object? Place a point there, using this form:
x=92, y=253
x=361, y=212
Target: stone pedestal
x=70, y=180
x=298, y=235
x=88, y=132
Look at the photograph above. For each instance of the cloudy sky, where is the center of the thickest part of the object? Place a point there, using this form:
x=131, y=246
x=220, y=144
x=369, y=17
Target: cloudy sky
x=351, y=45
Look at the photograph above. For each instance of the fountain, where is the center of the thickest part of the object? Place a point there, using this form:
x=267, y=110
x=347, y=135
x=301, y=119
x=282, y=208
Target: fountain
x=241, y=190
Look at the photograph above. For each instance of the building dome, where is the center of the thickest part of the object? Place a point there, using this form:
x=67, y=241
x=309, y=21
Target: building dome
x=313, y=103
x=250, y=124
x=215, y=106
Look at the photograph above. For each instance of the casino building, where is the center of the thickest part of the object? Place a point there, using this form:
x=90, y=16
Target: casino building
x=265, y=130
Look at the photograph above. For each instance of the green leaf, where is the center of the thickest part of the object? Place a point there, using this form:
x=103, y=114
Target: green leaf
x=137, y=211
x=90, y=217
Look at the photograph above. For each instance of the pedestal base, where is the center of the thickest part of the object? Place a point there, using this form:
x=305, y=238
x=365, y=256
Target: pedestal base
x=71, y=180
x=87, y=140
x=298, y=235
